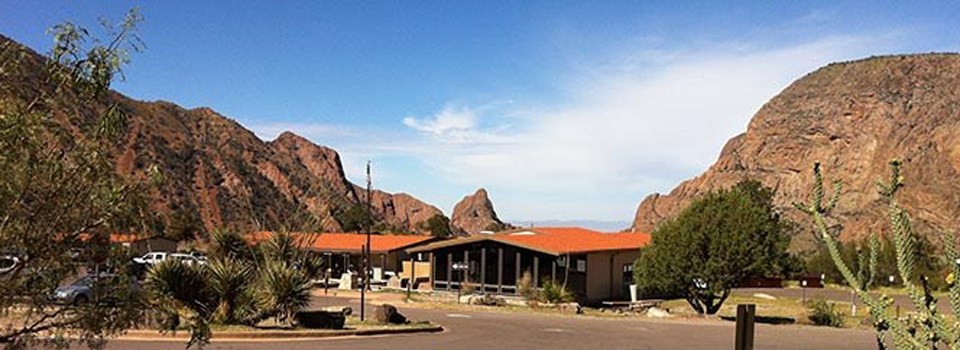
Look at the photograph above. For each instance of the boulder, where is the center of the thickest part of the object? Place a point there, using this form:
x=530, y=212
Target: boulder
x=573, y=308
x=345, y=310
x=656, y=312
x=388, y=314
x=320, y=319
x=485, y=300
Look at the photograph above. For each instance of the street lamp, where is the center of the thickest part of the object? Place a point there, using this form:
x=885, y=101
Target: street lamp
x=803, y=291
x=460, y=267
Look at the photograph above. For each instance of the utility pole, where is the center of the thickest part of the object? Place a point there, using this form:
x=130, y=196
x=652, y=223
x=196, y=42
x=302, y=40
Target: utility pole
x=365, y=250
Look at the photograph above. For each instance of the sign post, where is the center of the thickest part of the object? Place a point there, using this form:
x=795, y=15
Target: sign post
x=462, y=267
x=745, y=321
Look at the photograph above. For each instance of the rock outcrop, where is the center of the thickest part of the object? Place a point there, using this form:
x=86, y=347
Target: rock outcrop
x=853, y=117
x=218, y=173
x=474, y=213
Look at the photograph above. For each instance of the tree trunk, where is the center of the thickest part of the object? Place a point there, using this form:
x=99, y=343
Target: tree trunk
x=712, y=308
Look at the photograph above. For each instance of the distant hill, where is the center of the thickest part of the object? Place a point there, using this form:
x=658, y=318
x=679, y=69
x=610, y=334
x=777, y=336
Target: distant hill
x=218, y=172
x=599, y=225
x=854, y=117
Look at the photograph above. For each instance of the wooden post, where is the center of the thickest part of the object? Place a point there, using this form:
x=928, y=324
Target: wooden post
x=500, y=271
x=449, y=269
x=483, y=270
x=465, y=273
x=433, y=270
x=553, y=271
x=383, y=263
x=745, y=319
x=413, y=272
x=536, y=271
x=516, y=282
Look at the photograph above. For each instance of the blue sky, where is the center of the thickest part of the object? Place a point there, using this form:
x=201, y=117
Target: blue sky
x=562, y=110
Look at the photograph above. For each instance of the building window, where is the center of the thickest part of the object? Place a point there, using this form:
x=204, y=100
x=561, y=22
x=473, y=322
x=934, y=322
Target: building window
x=581, y=265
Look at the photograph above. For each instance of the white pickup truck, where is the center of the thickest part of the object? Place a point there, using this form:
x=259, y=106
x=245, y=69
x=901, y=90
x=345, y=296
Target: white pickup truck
x=152, y=258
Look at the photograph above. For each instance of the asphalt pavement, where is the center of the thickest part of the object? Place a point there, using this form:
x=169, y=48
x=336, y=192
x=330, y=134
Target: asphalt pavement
x=518, y=330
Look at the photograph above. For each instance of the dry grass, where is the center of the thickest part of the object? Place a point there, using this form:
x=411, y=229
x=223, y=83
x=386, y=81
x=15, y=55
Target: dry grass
x=781, y=307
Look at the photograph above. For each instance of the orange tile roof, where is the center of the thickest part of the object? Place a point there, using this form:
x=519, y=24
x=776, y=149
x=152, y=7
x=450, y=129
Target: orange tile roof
x=118, y=237
x=555, y=240
x=349, y=242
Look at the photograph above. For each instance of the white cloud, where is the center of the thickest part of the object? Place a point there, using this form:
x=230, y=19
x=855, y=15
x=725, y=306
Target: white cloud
x=626, y=129
x=627, y=132
x=451, y=122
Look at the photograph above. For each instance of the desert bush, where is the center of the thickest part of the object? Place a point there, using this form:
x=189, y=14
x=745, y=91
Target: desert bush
x=824, y=313
x=526, y=288
x=555, y=293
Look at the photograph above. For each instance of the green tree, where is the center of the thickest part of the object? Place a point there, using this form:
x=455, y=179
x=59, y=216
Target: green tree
x=713, y=244
x=857, y=255
x=59, y=192
x=355, y=219
x=438, y=225
x=184, y=224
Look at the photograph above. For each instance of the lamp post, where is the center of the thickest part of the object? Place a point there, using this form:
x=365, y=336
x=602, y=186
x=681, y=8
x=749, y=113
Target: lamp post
x=460, y=267
x=326, y=282
x=803, y=291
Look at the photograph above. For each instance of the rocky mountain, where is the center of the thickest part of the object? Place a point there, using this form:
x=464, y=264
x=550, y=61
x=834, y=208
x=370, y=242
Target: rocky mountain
x=474, y=213
x=218, y=174
x=854, y=117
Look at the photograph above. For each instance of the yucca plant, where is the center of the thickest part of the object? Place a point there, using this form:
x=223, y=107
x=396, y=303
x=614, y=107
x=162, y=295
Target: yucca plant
x=924, y=329
x=555, y=293
x=231, y=280
x=228, y=244
x=175, y=287
x=285, y=290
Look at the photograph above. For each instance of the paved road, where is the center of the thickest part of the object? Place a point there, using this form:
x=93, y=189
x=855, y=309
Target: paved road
x=943, y=305
x=501, y=330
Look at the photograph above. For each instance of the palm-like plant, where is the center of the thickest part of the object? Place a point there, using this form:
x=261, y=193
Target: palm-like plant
x=286, y=290
x=231, y=281
x=228, y=244
x=180, y=286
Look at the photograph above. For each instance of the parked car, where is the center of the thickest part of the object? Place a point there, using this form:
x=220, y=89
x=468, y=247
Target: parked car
x=8, y=263
x=84, y=290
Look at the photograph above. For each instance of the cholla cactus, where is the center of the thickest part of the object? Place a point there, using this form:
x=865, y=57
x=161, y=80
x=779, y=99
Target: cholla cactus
x=924, y=329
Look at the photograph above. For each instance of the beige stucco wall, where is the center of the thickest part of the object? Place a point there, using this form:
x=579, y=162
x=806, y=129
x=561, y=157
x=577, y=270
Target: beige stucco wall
x=598, y=275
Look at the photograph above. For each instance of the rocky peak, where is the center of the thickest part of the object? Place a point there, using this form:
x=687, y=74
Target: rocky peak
x=219, y=173
x=853, y=117
x=474, y=213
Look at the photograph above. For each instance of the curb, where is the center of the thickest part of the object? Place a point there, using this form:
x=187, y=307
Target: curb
x=152, y=335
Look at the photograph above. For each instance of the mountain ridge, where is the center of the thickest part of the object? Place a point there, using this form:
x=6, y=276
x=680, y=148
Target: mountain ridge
x=219, y=174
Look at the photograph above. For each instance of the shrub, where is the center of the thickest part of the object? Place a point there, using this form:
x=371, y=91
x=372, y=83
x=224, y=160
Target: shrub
x=824, y=313
x=286, y=290
x=555, y=293
x=525, y=287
